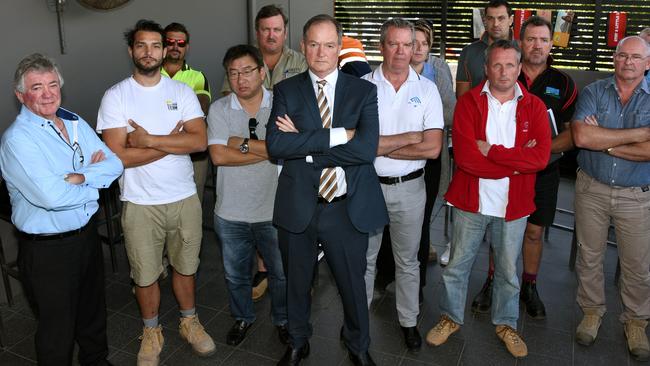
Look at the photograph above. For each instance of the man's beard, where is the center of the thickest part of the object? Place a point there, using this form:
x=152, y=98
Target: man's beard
x=147, y=70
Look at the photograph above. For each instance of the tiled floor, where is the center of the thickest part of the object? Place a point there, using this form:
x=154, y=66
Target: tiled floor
x=550, y=342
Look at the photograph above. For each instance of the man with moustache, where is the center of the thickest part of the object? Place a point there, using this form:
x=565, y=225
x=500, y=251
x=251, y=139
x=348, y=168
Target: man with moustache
x=324, y=125
x=280, y=61
x=153, y=123
x=410, y=132
x=54, y=191
x=612, y=127
x=498, y=20
x=559, y=93
x=177, y=39
x=501, y=138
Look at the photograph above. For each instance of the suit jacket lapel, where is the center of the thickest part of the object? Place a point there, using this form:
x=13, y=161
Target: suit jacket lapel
x=308, y=94
x=339, y=97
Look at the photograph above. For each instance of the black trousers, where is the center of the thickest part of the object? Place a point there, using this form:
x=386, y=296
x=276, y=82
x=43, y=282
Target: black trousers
x=385, y=260
x=345, y=252
x=63, y=280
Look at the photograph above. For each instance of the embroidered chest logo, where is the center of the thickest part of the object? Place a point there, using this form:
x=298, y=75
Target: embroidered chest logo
x=553, y=92
x=415, y=102
x=171, y=105
x=525, y=126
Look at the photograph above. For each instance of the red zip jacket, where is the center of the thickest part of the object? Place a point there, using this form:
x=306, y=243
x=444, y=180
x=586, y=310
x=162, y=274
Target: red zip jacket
x=518, y=163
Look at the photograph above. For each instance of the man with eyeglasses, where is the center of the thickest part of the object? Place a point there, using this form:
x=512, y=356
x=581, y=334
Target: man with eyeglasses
x=177, y=39
x=153, y=123
x=612, y=127
x=53, y=188
x=246, y=183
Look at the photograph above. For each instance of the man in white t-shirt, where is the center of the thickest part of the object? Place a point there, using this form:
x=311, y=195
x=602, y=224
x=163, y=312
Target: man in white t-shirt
x=410, y=129
x=153, y=124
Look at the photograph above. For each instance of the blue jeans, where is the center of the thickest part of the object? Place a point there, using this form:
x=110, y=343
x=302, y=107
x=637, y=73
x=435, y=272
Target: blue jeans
x=506, y=240
x=238, y=243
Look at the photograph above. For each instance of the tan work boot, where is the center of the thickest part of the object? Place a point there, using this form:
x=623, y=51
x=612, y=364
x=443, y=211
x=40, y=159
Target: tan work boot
x=192, y=331
x=259, y=287
x=637, y=341
x=512, y=340
x=151, y=344
x=588, y=327
x=441, y=332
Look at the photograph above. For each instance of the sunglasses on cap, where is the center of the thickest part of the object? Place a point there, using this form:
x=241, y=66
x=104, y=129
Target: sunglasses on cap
x=181, y=43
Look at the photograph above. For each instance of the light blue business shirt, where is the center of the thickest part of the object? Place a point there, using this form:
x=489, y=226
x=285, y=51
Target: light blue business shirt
x=35, y=158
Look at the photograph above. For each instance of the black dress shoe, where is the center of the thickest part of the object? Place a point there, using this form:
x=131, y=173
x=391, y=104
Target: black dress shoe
x=530, y=298
x=292, y=356
x=483, y=300
x=237, y=332
x=412, y=338
x=283, y=333
x=363, y=359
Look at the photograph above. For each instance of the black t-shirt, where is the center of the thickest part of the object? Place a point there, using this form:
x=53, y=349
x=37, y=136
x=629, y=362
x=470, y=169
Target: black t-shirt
x=558, y=92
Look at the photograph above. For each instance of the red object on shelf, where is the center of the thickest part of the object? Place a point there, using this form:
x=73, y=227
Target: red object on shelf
x=520, y=18
x=616, y=27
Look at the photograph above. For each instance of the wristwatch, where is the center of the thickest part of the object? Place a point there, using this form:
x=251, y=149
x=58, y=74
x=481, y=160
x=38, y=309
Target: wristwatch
x=243, y=148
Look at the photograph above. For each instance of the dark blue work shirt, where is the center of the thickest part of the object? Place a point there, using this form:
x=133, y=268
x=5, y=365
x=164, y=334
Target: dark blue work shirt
x=602, y=100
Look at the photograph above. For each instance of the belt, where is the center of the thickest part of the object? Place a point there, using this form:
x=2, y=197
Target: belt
x=335, y=199
x=405, y=178
x=41, y=237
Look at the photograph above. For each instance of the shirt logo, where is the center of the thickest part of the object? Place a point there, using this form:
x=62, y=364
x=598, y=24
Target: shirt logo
x=415, y=101
x=525, y=127
x=555, y=93
x=171, y=105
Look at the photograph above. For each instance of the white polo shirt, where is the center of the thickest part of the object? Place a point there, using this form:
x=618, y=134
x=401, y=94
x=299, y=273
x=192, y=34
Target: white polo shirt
x=500, y=129
x=416, y=106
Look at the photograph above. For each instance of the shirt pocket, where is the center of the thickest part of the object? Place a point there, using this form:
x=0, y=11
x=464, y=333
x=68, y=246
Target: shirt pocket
x=642, y=118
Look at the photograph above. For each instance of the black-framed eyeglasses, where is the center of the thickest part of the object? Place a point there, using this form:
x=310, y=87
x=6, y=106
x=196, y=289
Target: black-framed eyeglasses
x=77, y=156
x=235, y=74
x=252, y=125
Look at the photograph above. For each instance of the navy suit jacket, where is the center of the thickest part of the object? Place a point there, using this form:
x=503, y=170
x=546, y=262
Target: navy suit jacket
x=355, y=107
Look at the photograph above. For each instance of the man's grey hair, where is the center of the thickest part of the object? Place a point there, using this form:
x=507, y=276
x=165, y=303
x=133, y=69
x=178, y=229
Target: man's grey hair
x=505, y=44
x=645, y=32
x=34, y=62
x=647, y=45
x=397, y=23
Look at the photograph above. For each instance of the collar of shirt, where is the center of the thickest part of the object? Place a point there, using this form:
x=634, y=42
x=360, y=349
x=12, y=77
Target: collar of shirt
x=486, y=90
x=329, y=87
x=643, y=85
x=378, y=74
x=266, y=100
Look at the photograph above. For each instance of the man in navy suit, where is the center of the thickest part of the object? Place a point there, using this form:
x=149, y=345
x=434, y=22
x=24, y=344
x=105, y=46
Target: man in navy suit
x=324, y=125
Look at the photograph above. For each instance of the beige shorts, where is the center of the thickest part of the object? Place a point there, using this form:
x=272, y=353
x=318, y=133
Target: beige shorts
x=149, y=228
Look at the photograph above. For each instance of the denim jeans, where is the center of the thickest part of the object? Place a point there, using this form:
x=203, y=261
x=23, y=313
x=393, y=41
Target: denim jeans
x=506, y=240
x=238, y=243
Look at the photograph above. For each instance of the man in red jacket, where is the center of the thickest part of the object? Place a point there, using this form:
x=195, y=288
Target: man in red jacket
x=501, y=138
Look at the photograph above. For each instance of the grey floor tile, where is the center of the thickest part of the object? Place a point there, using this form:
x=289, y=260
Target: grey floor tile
x=326, y=351
x=386, y=337
x=25, y=348
x=544, y=360
x=118, y=295
x=185, y=356
x=121, y=358
x=123, y=329
x=602, y=352
x=548, y=342
x=485, y=354
x=8, y=358
x=446, y=354
x=18, y=327
x=242, y=358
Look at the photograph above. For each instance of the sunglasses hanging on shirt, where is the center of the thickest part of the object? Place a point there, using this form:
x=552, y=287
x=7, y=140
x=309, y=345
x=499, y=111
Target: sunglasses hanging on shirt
x=252, y=124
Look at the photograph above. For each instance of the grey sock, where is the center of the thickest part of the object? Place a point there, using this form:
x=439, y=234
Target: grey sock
x=188, y=312
x=151, y=323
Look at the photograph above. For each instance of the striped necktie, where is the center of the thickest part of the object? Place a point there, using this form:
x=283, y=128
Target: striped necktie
x=327, y=187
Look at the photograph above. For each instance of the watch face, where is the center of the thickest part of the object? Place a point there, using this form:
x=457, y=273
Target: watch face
x=243, y=148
